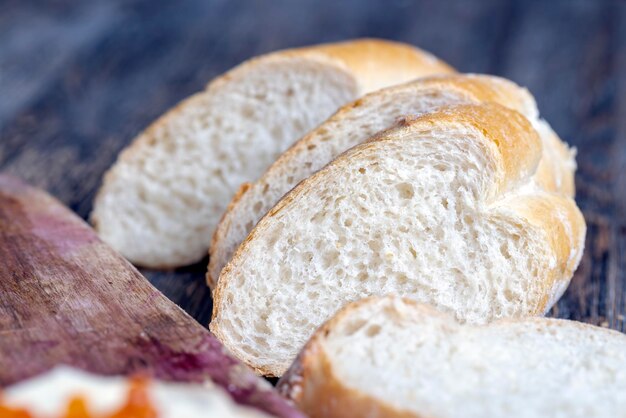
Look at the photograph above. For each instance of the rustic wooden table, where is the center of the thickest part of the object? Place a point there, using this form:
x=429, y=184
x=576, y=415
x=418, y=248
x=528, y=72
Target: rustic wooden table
x=78, y=79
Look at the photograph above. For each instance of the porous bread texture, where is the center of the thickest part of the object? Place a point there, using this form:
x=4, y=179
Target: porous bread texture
x=358, y=121
x=444, y=209
x=392, y=357
x=161, y=201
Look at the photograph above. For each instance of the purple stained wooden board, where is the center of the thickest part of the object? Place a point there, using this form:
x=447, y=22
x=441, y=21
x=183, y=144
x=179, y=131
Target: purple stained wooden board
x=66, y=297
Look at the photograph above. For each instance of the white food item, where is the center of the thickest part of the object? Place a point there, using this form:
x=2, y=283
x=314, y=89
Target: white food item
x=48, y=395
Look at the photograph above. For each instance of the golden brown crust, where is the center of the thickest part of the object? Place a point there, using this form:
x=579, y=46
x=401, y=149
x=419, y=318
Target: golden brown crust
x=375, y=61
x=563, y=228
x=556, y=171
x=517, y=142
x=238, y=194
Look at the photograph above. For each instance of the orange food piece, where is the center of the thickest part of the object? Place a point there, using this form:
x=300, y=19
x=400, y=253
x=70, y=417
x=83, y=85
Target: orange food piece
x=77, y=408
x=7, y=412
x=138, y=402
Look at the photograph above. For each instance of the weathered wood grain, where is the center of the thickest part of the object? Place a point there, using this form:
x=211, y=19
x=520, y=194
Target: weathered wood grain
x=69, y=298
x=80, y=79
x=570, y=58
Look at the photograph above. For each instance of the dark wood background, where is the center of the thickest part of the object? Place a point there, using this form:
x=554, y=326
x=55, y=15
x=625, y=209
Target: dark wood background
x=78, y=79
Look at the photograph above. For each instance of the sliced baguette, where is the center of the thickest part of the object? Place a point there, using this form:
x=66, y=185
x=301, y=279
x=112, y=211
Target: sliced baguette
x=161, y=201
x=358, y=121
x=391, y=357
x=444, y=208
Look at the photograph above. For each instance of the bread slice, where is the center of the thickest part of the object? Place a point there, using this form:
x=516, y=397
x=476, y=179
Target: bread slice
x=162, y=199
x=444, y=209
x=358, y=121
x=392, y=357
x=50, y=394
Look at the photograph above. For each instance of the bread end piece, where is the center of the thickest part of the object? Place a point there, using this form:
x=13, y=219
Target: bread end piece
x=513, y=367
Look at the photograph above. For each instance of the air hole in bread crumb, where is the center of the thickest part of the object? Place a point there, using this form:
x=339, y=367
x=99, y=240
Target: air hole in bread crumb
x=373, y=330
x=375, y=246
x=405, y=191
x=509, y=295
x=402, y=279
x=285, y=272
x=247, y=112
x=354, y=327
x=505, y=251
x=257, y=206
x=330, y=258
x=310, y=147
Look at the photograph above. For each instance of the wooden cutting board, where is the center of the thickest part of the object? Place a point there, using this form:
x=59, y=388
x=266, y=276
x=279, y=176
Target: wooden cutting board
x=66, y=297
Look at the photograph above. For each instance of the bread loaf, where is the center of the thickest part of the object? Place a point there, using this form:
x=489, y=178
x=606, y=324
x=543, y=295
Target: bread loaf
x=161, y=201
x=446, y=208
x=391, y=357
x=358, y=121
